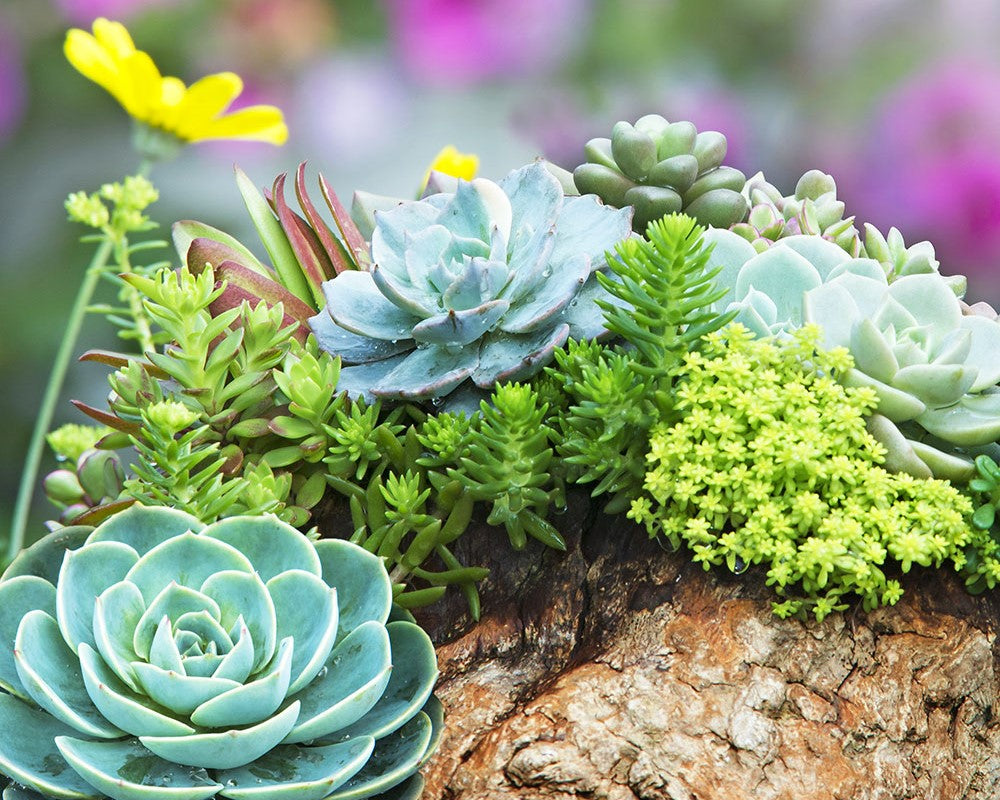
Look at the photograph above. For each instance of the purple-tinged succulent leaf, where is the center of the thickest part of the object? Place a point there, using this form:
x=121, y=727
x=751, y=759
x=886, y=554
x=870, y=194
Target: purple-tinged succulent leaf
x=336, y=252
x=352, y=236
x=106, y=418
x=187, y=231
x=352, y=347
x=274, y=238
x=209, y=252
x=510, y=357
x=428, y=372
x=460, y=327
x=313, y=260
x=262, y=288
x=117, y=360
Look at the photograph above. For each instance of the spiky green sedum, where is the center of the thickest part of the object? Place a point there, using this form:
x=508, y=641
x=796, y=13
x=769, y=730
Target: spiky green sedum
x=155, y=657
x=771, y=463
x=605, y=400
x=507, y=465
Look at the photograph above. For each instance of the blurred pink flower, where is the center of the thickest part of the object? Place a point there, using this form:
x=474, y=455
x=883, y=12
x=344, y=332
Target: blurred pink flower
x=12, y=83
x=460, y=42
x=83, y=12
x=931, y=168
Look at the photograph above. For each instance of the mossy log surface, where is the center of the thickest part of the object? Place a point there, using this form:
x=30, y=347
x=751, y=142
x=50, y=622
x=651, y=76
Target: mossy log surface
x=620, y=671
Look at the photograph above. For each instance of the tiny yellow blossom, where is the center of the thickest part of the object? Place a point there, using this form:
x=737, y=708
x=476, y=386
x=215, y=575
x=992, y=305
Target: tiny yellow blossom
x=452, y=162
x=193, y=113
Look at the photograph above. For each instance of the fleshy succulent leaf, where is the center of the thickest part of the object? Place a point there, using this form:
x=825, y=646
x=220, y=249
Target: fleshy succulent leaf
x=226, y=750
x=364, y=592
x=127, y=771
x=298, y=773
x=51, y=676
x=31, y=757
x=85, y=574
x=331, y=703
x=19, y=596
x=306, y=612
x=395, y=757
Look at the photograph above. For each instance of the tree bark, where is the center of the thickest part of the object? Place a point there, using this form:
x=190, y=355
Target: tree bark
x=620, y=671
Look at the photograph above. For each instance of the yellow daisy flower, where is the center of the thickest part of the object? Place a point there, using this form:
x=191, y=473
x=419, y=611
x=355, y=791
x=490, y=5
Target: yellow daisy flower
x=190, y=113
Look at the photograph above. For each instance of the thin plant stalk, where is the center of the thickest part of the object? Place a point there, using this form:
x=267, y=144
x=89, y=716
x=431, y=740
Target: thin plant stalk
x=52, y=391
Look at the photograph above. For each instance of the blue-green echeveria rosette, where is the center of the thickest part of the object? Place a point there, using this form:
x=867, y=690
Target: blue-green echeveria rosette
x=156, y=658
x=478, y=285
x=935, y=369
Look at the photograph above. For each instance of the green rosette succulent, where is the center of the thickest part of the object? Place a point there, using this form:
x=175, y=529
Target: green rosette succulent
x=478, y=285
x=766, y=289
x=156, y=658
x=934, y=368
x=812, y=210
x=660, y=168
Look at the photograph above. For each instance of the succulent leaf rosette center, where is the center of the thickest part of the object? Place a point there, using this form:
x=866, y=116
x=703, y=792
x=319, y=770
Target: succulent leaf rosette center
x=156, y=657
x=482, y=284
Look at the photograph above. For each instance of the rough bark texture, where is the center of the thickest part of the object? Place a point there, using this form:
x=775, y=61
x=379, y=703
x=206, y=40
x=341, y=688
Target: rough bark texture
x=621, y=671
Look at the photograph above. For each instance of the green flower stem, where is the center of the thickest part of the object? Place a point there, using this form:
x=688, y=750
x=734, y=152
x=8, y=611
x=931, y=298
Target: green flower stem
x=56, y=378
x=145, y=332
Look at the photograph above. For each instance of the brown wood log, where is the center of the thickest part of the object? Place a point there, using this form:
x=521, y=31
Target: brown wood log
x=618, y=670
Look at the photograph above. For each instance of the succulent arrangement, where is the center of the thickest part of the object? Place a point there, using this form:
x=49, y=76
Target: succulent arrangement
x=738, y=371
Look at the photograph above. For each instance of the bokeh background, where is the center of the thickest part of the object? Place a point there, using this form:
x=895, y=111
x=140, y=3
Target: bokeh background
x=899, y=99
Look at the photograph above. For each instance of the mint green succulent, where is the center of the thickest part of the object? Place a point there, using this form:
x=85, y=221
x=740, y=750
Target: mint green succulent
x=766, y=289
x=155, y=658
x=660, y=168
x=813, y=210
x=478, y=285
x=934, y=368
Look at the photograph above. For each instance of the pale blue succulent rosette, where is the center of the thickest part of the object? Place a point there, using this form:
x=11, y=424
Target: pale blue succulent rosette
x=475, y=287
x=157, y=658
x=933, y=368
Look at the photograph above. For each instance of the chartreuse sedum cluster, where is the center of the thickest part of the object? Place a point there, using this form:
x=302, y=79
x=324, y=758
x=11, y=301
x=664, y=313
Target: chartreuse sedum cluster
x=770, y=462
x=157, y=657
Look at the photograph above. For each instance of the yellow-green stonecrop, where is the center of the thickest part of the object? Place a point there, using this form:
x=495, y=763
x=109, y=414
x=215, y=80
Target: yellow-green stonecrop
x=164, y=104
x=771, y=463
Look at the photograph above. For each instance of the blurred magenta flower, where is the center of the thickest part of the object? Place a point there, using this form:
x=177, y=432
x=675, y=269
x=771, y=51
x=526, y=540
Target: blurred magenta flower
x=12, y=83
x=83, y=12
x=461, y=42
x=932, y=168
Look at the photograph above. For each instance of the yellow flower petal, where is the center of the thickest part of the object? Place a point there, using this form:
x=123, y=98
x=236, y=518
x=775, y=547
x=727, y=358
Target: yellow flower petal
x=110, y=59
x=206, y=99
x=91, y=60
x=113, y=37
x=259, y=123
x=167, y=112
x=144, y=86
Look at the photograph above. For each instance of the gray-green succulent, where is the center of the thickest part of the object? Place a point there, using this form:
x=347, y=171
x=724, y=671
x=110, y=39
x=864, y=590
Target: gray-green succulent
x=934, y=368
x=155, y=658
x=660, y=167
x=478, y=285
